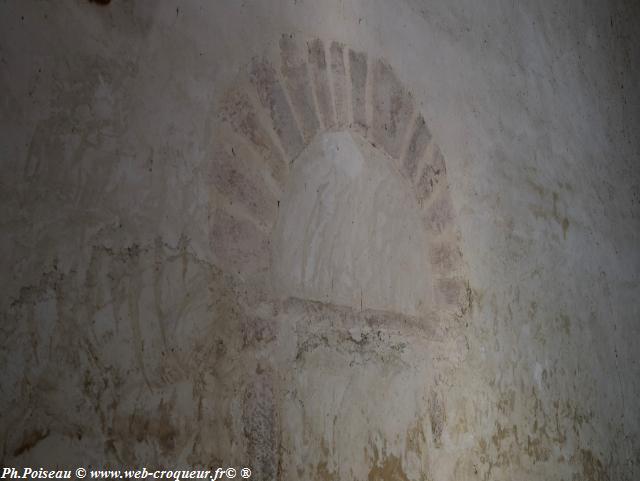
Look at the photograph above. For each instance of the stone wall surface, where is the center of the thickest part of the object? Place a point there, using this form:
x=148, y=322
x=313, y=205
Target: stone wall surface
x=328, y=240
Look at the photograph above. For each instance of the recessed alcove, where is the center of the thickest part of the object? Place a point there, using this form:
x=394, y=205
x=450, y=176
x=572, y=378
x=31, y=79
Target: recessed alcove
x=349, y=230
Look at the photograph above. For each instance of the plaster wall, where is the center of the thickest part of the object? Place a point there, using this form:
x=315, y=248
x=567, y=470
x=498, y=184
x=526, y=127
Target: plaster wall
x=181, y=283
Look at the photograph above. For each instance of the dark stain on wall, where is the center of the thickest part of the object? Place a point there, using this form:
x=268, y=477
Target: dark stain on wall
x=30, y=440
x=437, y=416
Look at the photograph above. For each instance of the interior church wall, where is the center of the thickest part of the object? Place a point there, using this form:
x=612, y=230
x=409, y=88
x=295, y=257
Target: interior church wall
x=337, y=239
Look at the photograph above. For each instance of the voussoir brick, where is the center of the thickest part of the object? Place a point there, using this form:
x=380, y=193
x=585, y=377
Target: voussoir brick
x=294, y=71
x=392, y=109
x=318, y=70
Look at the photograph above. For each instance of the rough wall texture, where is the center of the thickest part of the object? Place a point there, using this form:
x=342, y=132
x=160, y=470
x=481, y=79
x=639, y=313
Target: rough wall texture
x=328, y=240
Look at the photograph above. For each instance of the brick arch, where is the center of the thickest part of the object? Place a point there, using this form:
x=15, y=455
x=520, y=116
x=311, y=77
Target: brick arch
x=282, y=101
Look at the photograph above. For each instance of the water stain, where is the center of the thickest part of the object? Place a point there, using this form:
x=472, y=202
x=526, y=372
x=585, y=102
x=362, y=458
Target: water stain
x=390, y=469
x=592, y=468
x=30, y=440
x=437, y=416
